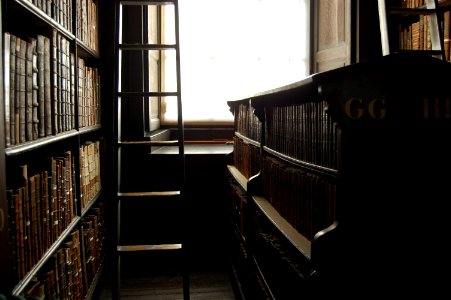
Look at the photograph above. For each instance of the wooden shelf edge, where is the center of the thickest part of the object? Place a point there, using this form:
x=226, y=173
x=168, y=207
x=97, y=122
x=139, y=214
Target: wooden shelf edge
x=238, y=176
x=298, y=240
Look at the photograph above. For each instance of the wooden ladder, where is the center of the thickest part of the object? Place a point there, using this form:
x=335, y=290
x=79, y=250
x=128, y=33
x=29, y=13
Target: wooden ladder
x=149, y=191
x=432, y=9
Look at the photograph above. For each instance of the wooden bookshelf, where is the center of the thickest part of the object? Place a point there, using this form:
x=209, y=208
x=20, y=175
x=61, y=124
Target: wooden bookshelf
x=50, y=112
x=340, y=201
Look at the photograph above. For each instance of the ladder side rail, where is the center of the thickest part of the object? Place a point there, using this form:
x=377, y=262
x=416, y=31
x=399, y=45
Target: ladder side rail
x=435, y=20
x=383, y=25
x=436, y=31
x=181, y=132
x=116, y=286
x=141, y=91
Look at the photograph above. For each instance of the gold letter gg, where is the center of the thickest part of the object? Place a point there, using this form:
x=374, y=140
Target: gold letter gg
x=355, y=108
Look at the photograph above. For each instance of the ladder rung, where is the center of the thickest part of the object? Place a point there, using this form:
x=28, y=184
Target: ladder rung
x=150, y=143
x=146, y=2
x=147, y=94
x=149, y=194
x=133, y=248
x=147, y=46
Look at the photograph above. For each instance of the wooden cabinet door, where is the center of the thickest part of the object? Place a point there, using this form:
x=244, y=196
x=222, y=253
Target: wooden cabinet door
x=332, y=34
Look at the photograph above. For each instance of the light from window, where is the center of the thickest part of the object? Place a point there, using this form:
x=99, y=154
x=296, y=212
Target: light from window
x=235, y=48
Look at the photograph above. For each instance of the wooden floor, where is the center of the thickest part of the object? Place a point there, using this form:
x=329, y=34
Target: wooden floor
x=203, y=286
x=163, y=281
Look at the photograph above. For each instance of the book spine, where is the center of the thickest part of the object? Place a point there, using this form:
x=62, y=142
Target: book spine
x=55, y=82
x=35, y=90
x=40, y=84
x=6, y=87
x=72, y=90
x=48, y=86
x=12, y=90
x=21, y=88
x=29, y=91
x=81, y=93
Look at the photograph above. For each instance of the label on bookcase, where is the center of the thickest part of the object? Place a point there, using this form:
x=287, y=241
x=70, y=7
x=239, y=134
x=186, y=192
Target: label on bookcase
x=356, y=108
x=429, y=109
x=436, y=108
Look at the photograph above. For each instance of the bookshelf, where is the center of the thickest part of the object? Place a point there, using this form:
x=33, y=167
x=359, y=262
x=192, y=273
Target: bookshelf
x=348, y=194
x=52, y=211
x=421, y=26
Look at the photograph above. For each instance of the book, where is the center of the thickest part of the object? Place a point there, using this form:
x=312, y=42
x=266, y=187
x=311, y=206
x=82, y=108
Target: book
x=62, y=271
x=69, y=182
x=38, y=236
x=48, y=87
x=21, y=233
x=34, y=220
x=89, y=250
x=21, y=47
x=40, y=46
x=45, y=212
x=13, y=228
x=26, y=204
x=81, y=93
x=72, y=90
x=35, y=88
x=29, y=91
x=49, y=7
x=446, y=35
x=6, y=87
x=66, y=86
x=12, y=90
x=56, y=126
x=53, y=195
x=48, y=279
x=63, y=84
x=36, y=290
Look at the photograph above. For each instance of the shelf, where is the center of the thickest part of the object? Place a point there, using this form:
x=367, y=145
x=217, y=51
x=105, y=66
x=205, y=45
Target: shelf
x=32, y=145
x=247, y=140
x=242, y=181
x=306, y=165
x=298, y=240
x=43, y=17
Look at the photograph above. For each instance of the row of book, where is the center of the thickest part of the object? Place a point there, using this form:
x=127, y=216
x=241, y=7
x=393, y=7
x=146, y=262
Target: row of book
x=58, y=10
x=61, y=277
x=88, y=95
x=304, y=132
x=87, y=18
x=90, y=183
x=246, y=157
x=416, y=35
x=41, y=207
x=87, y=23
x=237, y=195
x=246, y=122
x=39, y=81
x=73, y=267
x=412, y=3
x=304, y=199
x=94, y=235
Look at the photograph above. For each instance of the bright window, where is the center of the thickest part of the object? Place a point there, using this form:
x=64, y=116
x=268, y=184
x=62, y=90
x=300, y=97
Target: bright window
x=233, y=49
